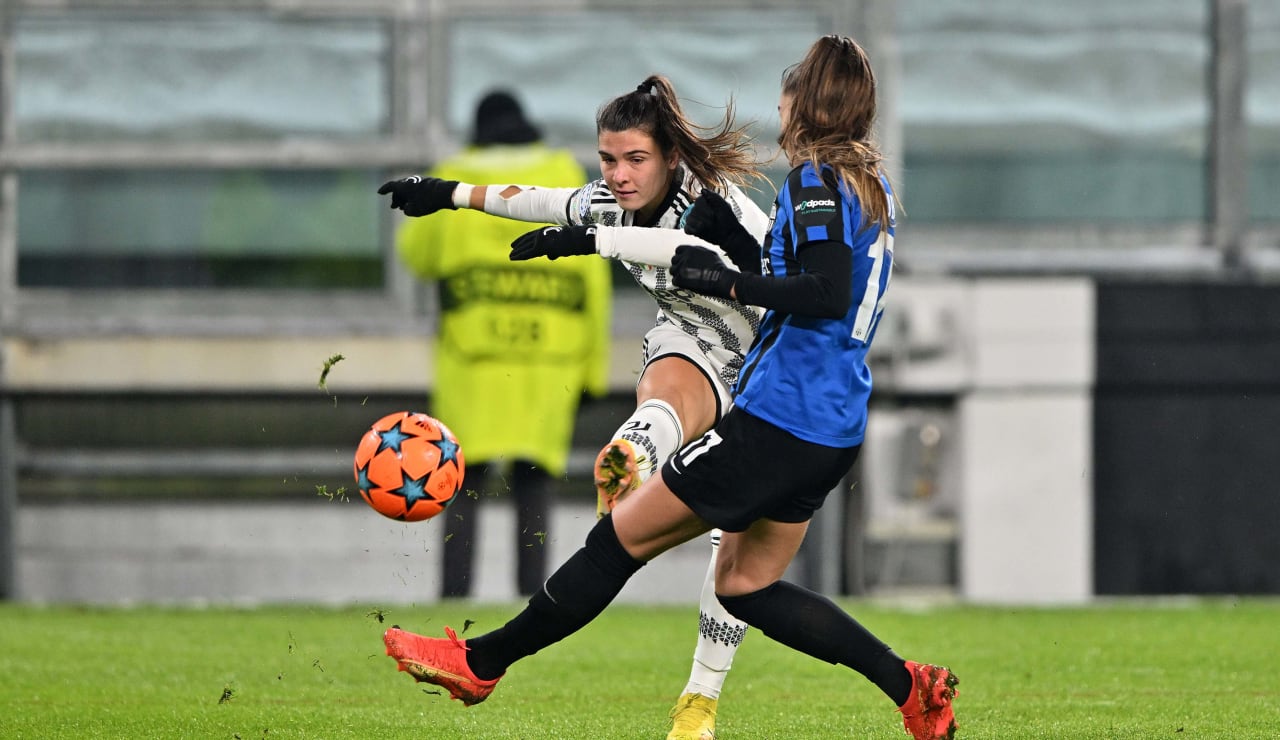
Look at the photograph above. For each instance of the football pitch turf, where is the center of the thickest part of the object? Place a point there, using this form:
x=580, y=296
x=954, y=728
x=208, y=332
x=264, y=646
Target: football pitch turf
x=1182, y=668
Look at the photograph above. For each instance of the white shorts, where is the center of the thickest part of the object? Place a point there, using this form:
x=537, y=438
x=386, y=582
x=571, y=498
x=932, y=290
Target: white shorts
x=719, y=365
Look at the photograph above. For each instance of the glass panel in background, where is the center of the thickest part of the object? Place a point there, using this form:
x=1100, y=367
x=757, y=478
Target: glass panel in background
x=563, y=66
x=1262, y=110
x=200, y=229
x=1041, y=113
x=198, y=76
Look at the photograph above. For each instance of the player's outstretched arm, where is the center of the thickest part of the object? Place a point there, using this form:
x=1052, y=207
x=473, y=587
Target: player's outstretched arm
x=646, y=246
x=649, y=246
x=642, y=245
x=422, y=196
x=553, y=242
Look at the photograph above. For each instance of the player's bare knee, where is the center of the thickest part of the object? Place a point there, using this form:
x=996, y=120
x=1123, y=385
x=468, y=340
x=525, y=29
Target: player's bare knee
x=733, y=580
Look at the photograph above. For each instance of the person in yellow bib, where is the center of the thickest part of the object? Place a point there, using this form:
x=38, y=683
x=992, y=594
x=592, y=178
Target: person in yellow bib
x=517, y=343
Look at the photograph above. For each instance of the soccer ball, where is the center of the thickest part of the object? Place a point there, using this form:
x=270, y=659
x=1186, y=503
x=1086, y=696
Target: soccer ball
x=409, y=466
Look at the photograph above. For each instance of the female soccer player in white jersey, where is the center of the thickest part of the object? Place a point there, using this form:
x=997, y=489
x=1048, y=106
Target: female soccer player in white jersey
x=796, y=427
x=654, y=163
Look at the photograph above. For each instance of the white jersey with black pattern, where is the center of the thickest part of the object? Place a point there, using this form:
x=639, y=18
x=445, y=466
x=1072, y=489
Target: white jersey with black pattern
x=723, y=329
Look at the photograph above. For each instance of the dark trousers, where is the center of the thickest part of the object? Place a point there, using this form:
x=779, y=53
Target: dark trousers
x=530, y=488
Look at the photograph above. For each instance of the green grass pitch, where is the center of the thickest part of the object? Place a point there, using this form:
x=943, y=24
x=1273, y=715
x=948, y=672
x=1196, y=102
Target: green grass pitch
x=1126, y=669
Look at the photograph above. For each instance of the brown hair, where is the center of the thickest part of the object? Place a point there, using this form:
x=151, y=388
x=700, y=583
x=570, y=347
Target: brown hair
x=833, y=109
x=715, y=155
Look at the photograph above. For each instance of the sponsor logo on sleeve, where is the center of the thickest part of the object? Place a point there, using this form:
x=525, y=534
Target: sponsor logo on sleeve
x=814, y=207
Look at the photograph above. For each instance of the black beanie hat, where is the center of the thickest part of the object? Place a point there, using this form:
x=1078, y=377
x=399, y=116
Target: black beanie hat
x=500, y=120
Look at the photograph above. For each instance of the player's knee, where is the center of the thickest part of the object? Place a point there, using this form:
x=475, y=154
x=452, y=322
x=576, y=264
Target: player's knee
x=733, y=576
x=749, y=607
x=734, y=582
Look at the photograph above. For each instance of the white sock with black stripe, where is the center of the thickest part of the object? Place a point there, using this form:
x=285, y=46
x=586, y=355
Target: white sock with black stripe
x=655, y=432
x=719, y=635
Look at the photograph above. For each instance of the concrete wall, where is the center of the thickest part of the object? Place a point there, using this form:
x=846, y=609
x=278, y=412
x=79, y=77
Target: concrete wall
x=323, y=552
x=1026, y=433
x=1014, y=358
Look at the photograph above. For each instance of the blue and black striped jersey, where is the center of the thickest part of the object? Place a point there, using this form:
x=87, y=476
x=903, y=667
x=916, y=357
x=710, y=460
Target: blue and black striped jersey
x=809, y=375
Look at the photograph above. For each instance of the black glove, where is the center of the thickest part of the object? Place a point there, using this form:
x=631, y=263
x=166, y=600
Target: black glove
x=712, y=218
x=554, y=241
x=702, y=271
x=420, y=196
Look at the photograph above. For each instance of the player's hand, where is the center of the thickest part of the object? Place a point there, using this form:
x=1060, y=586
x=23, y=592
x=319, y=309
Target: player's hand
x=702, y=271
x=554, y=241
x=712, y=218
x=420, y=196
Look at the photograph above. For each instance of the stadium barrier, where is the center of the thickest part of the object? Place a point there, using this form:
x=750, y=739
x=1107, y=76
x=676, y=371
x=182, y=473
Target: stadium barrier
x=106, y=426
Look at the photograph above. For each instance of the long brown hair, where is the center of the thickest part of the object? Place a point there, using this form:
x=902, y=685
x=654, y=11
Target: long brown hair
x=715, y=155
x=833, y=109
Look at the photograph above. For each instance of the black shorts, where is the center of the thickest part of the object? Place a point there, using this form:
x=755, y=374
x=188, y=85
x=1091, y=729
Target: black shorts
x=747, y=469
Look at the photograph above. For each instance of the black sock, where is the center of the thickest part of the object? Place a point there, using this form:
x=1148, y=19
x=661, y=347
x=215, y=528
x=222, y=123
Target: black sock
x=574, y=595
x=814, y=625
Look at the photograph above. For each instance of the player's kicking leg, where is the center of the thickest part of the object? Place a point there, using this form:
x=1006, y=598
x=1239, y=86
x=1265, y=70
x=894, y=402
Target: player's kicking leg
x=640, y=446
x=644, y=441
x=719, y=635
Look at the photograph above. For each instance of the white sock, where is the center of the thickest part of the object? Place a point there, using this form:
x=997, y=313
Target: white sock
x=655, y=432
x=719, y=635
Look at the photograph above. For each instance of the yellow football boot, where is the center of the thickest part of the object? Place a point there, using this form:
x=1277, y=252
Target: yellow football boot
x=693, y=718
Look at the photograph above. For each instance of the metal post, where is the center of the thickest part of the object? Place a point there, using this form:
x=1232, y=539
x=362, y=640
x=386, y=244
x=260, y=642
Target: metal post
x=8, y=309
x=822, y=560
x=8, y=496
x=8, y=179
x=411, y=110
x=873, y=23
x=1228, y=161
x=854, y=552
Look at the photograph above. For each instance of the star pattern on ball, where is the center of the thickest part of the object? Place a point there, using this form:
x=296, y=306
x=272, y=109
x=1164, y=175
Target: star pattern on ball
x=412, y=489
x=362, y=478
x=391, y=439
x=448, y=450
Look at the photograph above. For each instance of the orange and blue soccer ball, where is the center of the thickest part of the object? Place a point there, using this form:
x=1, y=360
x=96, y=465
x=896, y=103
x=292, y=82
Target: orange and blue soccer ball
x=409, y=466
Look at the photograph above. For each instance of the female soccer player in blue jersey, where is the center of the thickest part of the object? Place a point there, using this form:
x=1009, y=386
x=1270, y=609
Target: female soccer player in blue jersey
x=797, y=426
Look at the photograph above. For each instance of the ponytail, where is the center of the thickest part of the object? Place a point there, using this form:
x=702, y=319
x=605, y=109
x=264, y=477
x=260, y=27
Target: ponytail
x=716, y=155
